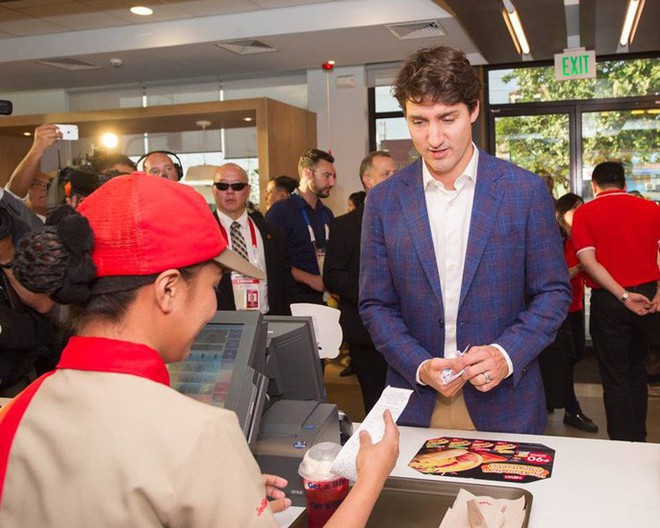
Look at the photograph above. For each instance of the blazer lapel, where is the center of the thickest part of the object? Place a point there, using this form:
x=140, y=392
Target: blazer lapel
x=417, y=222
x=486, y=203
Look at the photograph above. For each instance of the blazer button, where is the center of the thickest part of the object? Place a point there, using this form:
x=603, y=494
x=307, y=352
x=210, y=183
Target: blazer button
x=441, y=322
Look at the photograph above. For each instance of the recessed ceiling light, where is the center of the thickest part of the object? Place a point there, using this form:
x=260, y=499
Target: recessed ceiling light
x=247, y=119
x=142, y=11
x=27, y=133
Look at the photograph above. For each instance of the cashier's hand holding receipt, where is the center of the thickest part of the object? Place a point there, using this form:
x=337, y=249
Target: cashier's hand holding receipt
x=374, y=464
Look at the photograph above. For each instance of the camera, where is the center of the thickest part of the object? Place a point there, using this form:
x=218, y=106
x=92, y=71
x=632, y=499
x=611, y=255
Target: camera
x=82, y=180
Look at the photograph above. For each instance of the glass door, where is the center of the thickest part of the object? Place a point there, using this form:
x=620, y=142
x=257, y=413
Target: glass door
x=628, y=136
x=539, y=143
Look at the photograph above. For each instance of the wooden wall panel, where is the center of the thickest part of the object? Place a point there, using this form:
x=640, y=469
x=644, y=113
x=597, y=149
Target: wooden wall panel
x=12, y=151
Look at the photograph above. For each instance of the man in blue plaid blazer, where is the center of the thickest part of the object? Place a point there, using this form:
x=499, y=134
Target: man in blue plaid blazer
x=461, y=250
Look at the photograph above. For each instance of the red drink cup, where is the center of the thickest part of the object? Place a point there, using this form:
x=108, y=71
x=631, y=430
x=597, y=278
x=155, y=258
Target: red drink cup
x=323, y=499
x=324, y=491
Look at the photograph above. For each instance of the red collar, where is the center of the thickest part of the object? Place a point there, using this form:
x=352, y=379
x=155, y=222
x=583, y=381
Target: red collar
x=610, y=192
x=110, y=355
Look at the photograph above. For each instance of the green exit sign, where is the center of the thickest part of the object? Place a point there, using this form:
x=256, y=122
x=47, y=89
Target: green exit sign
x=575, y=64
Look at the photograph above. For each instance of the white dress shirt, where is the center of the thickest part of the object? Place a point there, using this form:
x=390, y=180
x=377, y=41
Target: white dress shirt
x=450, y=211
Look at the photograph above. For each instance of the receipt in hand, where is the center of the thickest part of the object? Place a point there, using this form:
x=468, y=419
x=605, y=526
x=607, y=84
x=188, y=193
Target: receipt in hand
x=393, y=399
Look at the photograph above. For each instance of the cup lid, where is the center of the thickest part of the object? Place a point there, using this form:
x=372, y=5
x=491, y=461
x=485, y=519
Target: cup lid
x=317, y=462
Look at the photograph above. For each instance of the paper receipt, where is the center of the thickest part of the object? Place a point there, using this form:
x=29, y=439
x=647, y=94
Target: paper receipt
x=393, y=399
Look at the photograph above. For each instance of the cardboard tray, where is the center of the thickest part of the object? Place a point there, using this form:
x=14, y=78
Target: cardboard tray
x=417, y=503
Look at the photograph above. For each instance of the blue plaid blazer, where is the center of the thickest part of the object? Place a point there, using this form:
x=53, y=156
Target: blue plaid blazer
x=515, y=289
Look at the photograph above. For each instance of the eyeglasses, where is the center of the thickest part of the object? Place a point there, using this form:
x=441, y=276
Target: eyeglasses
x=41, y=185
x=223, y=186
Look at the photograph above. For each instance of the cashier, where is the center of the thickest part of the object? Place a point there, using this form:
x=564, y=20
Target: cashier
x=103, y=440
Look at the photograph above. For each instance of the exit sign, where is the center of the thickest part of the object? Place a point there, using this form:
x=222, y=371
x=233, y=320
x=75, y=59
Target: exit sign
x=575, y=64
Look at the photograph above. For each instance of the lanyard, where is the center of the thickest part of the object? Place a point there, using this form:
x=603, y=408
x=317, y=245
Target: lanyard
x=253, y=233
x=309, y=226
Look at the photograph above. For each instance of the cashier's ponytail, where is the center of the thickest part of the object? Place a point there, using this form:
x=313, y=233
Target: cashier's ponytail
x=56, y=259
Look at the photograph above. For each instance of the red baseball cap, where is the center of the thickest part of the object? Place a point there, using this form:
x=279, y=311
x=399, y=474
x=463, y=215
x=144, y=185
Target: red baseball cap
x=146, y=224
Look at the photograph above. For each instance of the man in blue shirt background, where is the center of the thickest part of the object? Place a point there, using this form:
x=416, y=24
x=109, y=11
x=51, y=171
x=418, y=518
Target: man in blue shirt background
x=306, y=221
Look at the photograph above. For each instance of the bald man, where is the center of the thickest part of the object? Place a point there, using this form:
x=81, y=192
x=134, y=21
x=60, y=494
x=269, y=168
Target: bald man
x=259, y=241
x=160, y=164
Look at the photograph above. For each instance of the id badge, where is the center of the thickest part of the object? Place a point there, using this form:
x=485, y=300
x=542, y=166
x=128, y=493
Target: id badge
x=246, y=290
x=320, y=259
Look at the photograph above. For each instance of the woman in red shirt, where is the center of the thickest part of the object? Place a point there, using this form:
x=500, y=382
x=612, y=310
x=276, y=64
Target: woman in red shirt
x=566, y=207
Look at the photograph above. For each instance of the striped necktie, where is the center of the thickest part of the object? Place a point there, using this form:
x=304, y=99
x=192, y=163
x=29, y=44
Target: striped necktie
x=237, y=240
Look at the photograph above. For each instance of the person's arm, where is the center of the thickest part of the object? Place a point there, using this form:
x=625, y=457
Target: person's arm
x=635, y=302
x=37, y=301
x=548, y=295
x=313, y=281
x=337, y=276
x=379, y=304
x=26, y=171
x=573, y=271
x=374, y=464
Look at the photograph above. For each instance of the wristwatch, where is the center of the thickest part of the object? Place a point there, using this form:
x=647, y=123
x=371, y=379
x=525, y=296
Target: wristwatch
x=624, y=297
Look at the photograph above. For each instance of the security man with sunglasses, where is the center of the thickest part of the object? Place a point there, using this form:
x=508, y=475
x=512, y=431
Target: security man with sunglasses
x=258, y=241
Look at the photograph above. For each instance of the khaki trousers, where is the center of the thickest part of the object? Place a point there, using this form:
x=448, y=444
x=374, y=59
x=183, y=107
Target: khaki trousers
x=451, y=413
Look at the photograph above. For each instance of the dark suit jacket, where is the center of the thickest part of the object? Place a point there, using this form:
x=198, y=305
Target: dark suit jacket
x=515, y=290
x=281, y=285
x=341, y=272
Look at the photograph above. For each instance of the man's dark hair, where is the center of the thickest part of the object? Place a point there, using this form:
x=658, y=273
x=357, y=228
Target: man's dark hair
x=285, y=183
x=609, y=174
x=311, y=157
x=441, y=74
x=105, y=162
x=368, y=160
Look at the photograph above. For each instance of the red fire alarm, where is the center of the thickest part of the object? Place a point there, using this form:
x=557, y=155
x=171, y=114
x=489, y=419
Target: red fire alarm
x=328, y=66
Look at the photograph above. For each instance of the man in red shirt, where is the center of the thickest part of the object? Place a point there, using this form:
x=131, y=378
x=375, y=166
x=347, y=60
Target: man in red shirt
x=617, y=237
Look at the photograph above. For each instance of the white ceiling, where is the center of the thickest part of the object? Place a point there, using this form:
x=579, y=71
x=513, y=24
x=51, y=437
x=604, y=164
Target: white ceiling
x=177, y=41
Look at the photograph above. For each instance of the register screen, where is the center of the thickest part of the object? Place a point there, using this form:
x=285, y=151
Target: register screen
x=206, y=374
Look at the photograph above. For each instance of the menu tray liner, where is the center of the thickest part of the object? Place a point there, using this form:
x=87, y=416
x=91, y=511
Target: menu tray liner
x=419, y=503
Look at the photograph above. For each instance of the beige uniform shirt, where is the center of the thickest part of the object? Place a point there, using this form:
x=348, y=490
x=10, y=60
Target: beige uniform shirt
x=97, y=449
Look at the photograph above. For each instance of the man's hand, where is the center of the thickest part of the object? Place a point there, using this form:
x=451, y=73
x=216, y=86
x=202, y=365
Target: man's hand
x=485, y=367
x=430, y=371
x=640, y=304
x=44, y=137
x=313, y=281
x=273, y=485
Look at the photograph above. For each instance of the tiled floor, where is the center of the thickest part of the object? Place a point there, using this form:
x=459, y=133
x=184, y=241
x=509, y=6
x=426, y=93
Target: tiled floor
x=346, y=393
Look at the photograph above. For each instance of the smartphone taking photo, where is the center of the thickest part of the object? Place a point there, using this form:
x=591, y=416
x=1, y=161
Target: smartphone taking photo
x=69, y=132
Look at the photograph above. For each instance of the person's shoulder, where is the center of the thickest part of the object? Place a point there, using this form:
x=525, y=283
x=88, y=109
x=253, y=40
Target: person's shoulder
x=280, y=209
x=266, y=226
x=347, y=220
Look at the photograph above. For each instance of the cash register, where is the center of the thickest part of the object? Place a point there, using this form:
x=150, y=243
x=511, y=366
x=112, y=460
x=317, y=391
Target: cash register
x=267, y=370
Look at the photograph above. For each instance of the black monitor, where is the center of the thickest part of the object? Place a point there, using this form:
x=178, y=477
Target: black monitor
x=227, y=367
x=293, y=361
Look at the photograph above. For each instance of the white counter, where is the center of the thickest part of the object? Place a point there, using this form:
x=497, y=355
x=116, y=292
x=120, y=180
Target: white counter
x=599, y=483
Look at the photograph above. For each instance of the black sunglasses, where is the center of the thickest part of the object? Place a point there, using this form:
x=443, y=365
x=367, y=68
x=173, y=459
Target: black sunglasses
x=223, y=186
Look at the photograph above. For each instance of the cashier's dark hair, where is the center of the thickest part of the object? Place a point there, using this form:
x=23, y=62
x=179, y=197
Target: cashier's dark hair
x=57, y=260
x=441, y=75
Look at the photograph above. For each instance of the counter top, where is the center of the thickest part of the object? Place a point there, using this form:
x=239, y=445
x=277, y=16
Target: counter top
x=600, y=483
